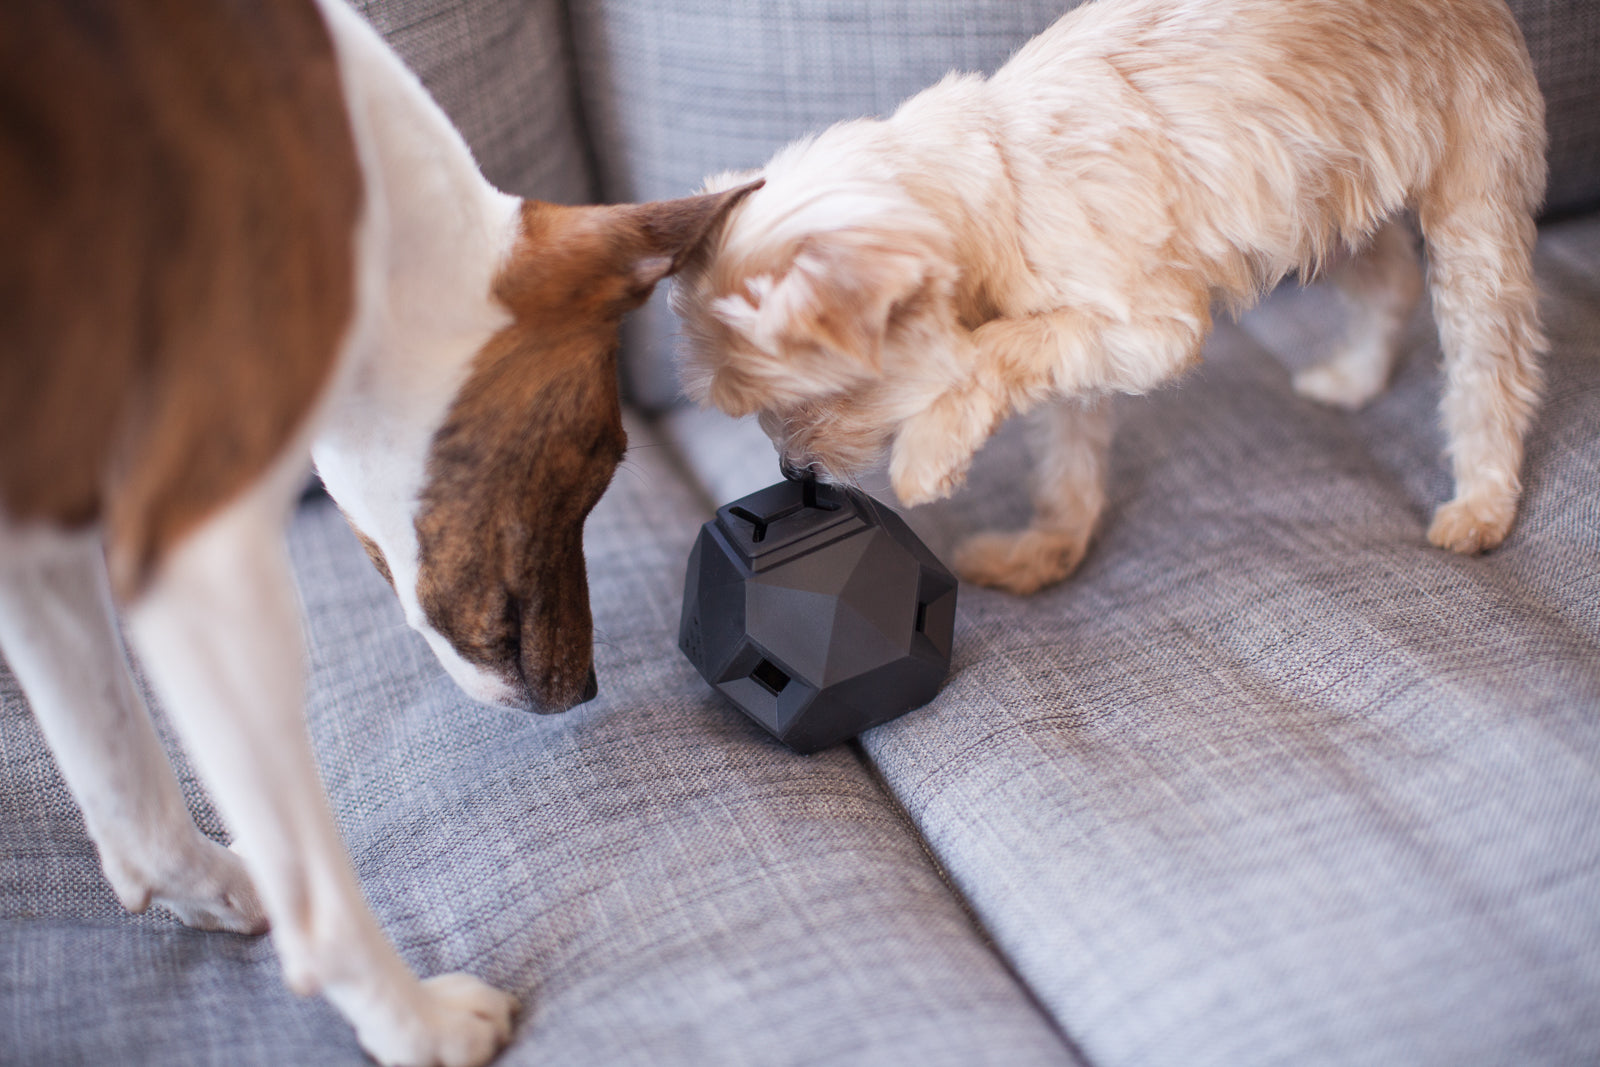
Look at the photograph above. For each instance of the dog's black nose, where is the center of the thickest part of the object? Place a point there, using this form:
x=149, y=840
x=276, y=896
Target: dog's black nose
x=591, y=689
x=793, y=473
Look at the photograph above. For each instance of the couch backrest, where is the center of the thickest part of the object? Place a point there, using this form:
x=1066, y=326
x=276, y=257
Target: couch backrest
x=502, y=70
x=1564, y=40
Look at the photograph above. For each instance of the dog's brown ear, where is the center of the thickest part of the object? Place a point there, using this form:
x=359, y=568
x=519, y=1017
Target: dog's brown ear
x=673, y=230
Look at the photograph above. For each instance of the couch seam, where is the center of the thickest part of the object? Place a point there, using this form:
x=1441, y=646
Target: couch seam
x=974, y=918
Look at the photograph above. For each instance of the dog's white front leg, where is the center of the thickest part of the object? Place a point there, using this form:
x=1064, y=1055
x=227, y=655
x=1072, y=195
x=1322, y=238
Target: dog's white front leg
x=219, y=631
x=934, y=447
x=1017, y=362
x=57, y=629
x=1070, y=353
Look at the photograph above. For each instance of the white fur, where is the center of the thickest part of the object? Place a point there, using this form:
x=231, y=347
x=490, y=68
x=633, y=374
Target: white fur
x=220, y=629
x=59, y=633
x=478, y=345
x=1062, y=231
x=436, y=236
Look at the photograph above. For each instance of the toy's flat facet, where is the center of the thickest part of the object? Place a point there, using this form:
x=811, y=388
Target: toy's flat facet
x=817, y=612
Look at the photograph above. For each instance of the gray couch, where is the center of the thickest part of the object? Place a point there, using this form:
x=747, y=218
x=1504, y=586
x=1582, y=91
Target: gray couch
x=1269, y=782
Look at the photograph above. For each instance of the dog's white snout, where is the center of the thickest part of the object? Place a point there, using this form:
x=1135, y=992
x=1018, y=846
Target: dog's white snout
x=484, y=687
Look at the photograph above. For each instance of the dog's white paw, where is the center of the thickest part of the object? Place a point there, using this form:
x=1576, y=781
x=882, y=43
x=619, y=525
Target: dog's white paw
x=932, y=453
x=1340, y=382
x=1020, y=561
x=459, y=1022
x=934, y=448
x=208, y=888
x=1471, y=525
x=924, y=478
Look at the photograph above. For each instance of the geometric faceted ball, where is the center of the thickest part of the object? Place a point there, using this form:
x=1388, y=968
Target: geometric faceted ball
x=817, y=612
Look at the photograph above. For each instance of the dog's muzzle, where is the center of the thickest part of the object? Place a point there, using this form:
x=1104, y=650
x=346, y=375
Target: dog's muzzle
x=796, y=473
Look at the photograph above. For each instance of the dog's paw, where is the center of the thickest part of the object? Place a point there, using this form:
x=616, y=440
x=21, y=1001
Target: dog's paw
x=208, y=889
x=928, y=476
x=460, y=1022
x=1472, y=525
x=934, y=448
x=1020, y=561
x=1340, y=383
x=216, y=894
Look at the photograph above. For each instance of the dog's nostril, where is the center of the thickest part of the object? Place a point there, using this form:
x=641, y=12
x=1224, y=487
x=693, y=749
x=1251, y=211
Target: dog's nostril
x=794, y=473
x=591, y=688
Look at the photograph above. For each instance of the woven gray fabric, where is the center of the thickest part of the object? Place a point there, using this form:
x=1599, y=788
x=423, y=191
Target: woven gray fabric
x=674, y=91
x=501, y=70
x=1271, y=780
x=1564, y=42
x=658, y=881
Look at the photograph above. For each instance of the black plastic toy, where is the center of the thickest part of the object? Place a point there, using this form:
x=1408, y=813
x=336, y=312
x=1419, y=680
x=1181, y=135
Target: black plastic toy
x=817, y=612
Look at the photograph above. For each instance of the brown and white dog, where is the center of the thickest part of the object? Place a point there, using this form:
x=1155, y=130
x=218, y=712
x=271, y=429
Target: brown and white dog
x=1061, y=231
x=236, y=235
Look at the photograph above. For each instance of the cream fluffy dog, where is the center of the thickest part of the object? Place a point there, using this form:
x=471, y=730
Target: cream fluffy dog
x=1060, y=231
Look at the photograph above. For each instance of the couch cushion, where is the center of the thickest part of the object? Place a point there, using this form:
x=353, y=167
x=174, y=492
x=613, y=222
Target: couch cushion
x=657, y=881
x=674, y=91
x=1271, y=780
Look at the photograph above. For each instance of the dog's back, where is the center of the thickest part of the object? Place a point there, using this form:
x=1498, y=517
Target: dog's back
x=178, y=195
x=1271, y=136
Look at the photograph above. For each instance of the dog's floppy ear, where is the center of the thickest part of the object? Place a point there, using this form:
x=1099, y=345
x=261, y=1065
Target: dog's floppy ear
x=671, y=230
x=838, y=296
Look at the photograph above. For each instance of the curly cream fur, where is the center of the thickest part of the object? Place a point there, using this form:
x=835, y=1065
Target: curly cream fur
x=1062, y=230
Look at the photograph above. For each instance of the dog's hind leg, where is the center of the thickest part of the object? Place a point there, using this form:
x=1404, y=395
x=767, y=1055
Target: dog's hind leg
x=1071, y=442
x=59, y=635
x=1380, y=287
x=219, y=631
x=1478, y=223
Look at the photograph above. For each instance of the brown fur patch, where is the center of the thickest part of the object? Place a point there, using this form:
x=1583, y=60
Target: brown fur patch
x=532, y=441
x=178, y=196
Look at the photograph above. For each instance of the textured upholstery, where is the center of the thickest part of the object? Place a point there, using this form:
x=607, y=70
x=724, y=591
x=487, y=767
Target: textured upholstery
x=1563, y=40
x=658, y=881
x=1270, y=781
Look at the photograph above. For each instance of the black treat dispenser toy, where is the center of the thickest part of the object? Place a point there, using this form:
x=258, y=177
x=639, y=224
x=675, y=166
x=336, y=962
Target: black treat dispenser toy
x=817, y=612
